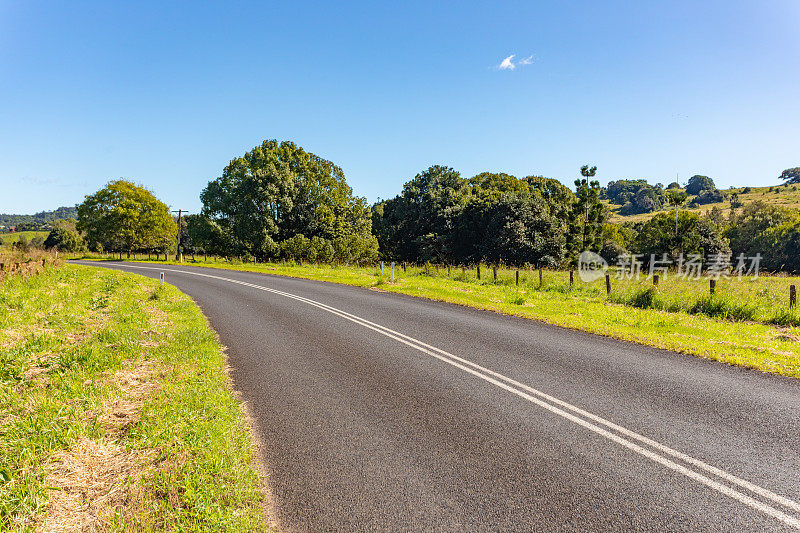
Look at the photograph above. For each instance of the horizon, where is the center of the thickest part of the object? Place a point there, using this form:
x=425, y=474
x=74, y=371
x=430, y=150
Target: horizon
x=166, y=97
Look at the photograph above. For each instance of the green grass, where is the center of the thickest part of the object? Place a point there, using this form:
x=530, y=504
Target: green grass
x=80, y=347
x=746, y=323
x=9, y=238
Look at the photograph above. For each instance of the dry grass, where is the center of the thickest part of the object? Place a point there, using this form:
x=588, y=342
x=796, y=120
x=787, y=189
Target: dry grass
x=92, y=479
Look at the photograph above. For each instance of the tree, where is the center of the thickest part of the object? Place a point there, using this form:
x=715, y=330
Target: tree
x=698, y=184
x=755, y=219
x=621, y=192
x=203, y=235
x=708, y=196
x=694, y=236
x=521, y=231
x=586, y=220
x=676, y=198
x=790, y=175
x=674, y=185
x=64, y=240
x=123, y=216
x=418, y=224
x=276, y=191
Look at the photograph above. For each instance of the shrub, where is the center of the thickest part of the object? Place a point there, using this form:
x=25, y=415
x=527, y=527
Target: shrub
x=646, y=299
x=717, y=306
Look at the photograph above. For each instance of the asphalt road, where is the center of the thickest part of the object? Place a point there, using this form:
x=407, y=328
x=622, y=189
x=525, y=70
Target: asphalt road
x=384, y=412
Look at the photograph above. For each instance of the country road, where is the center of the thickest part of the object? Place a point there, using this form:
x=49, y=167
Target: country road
x=381, y=412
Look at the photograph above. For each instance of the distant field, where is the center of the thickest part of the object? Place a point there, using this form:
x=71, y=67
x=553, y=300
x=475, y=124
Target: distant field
x=9, y=238
x=783, y=196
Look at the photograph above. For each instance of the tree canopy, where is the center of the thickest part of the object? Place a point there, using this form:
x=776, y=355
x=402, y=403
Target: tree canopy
x=495, y=217
x=698, y=184
x=123, y=216
x=790, y=175
x=277, y=191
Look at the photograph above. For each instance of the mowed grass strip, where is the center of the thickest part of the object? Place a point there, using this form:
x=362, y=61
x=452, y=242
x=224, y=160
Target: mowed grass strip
x=680, y=316
x=115, y=410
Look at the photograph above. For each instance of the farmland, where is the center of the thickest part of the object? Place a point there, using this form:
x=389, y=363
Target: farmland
x=10, y=238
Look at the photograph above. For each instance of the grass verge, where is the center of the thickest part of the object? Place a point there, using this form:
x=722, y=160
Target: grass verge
x=115, y=410
x=675, y=317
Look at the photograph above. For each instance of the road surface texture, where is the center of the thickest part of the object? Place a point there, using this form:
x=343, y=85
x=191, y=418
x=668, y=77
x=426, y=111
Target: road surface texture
x=382, y=412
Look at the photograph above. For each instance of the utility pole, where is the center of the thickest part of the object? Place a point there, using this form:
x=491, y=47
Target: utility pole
x=178, y=250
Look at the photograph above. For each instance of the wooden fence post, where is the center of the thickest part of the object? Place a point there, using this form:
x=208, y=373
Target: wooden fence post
x=494, y=271
x=712, y=286
x=479, y=271
x=571, y=277
x=655, y=280
x=792, y=297
x=517, y=277
x=540, y=276
x=608, y=284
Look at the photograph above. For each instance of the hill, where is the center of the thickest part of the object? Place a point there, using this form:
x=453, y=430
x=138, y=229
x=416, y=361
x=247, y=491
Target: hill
x=779, y=195
x=42, y=217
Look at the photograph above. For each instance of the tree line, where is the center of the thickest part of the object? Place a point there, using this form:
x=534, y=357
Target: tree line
x=278, y=201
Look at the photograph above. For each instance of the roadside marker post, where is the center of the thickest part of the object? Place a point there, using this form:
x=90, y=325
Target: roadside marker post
x=792, y=296
x=381, y=268
x=392, y=272
x=608, y=284
x=712, y=286
x=161, y=281
x=517, y=274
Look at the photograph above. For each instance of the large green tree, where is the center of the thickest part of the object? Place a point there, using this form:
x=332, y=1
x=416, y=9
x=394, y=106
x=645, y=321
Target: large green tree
x=418, y=224
x=123, y=216
x=278, y=190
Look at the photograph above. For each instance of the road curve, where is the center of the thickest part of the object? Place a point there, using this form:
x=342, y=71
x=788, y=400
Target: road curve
x=379, y=411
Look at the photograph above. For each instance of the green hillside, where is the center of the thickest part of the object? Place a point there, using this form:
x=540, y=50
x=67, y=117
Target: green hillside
x=42, y=217
x=779, y=195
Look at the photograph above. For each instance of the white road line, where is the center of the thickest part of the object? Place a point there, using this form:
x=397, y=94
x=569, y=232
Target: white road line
x=537, y=397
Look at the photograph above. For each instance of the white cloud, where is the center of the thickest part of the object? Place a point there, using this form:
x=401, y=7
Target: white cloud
x=527, y=61
x=507, y=63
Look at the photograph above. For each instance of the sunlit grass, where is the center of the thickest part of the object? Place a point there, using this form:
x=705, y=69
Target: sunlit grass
x=747, y=322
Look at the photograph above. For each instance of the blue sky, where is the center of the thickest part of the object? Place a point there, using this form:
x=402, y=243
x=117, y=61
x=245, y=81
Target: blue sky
x=166, y=93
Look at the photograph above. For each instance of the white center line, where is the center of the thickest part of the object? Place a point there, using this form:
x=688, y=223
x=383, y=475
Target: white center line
x=547, y=402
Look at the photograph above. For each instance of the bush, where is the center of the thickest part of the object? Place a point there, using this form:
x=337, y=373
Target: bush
x=64, y=240
x=646, y=299
x=717, y=306
x=711, y=196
